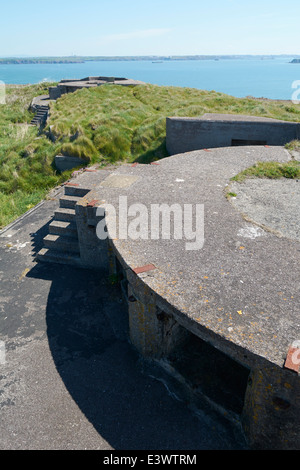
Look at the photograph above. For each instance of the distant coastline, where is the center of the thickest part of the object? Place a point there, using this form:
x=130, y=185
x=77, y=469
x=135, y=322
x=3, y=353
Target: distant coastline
x=40, y=60
x=83, y=59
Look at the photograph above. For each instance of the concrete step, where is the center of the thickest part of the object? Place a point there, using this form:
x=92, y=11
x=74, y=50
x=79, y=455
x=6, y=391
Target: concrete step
x=77, y=190
x=51, y=256
x=39, y=116
x=36, y=120
x=64, y=214
x=60, y=227
x=68, y=202
x=61, y=243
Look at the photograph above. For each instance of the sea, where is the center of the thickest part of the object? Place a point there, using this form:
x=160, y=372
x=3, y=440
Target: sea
x=273, y=78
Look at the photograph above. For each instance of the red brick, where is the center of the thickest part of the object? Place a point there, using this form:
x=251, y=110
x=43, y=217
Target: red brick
x=292, y=361
x=143, y=269
x=92, y=203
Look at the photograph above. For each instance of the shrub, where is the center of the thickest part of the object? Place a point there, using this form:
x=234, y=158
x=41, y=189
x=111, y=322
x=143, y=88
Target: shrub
x=82, y=148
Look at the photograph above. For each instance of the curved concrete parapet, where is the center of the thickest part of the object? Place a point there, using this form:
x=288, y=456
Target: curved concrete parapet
x=238, y=294
x=224, y=315
x=39, y=101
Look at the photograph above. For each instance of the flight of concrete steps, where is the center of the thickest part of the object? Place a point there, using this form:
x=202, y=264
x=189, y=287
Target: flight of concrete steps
x=61, y=244
x=40, y=116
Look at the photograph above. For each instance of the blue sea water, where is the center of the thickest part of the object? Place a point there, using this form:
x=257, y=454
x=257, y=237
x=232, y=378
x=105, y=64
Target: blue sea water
x=269, y=78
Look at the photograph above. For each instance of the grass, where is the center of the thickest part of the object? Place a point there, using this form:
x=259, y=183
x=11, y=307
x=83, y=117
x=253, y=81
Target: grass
x=26, y=158
x=129, y=123
x=230, y=194
x=100, y=125
x=293, y=145
x=271, y=170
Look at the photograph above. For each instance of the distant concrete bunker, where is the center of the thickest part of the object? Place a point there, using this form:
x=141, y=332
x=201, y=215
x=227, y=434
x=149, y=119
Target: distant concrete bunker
x=71, y=85
x=185, y=134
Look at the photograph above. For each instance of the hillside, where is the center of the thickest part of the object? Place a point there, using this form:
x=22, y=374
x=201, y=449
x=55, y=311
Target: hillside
x=111, y=123
x=26, y=172
x=104, y=124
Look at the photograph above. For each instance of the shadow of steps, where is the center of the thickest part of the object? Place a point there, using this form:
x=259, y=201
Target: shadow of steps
x=61, y=243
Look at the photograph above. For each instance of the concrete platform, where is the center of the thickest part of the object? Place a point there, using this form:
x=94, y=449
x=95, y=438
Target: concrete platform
x=220, y=319
x=228, y=255
x=238, y=293
x=70, y=379
x=71, y=85
x=40, y=100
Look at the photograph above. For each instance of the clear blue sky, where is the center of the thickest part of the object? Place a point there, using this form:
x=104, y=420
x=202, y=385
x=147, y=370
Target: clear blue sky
x=158, y=27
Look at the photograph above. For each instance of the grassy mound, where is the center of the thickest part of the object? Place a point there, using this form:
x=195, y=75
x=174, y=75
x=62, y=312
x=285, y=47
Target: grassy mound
x=26, y=171
x=129, y=123
x=100, y=125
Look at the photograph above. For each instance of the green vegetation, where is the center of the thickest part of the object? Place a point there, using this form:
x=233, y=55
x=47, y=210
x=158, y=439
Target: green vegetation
x=26, y=171
x=230, y=194
x=128, y=123
x=272, y=170
x=293, y=145
x=101, y=125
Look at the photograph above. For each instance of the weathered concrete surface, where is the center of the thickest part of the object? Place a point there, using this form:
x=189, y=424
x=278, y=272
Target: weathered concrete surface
x=238, y=293
x=92, y=253
x=271, y=204
x=219, y=130
x=202, y=177
x=71, y=379
x=41, y=100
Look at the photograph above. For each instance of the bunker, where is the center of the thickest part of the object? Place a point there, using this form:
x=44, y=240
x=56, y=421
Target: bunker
x=223, y=319
x=71, y=85
x=224, y=130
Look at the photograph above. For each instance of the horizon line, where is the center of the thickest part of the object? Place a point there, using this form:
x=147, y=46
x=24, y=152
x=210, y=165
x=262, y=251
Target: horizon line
x=22, y=56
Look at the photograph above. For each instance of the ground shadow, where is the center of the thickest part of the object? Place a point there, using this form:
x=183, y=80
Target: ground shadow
x=37, y=237
x=87, y=328
x=153, y=155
